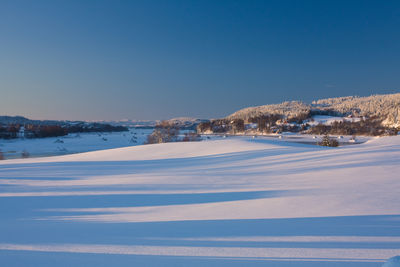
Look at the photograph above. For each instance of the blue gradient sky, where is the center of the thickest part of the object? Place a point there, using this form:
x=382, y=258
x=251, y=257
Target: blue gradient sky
x=94, y=60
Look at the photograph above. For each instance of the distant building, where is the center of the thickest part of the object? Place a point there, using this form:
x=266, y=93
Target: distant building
x=21, y=132
x=25, y=132
x=251, y=126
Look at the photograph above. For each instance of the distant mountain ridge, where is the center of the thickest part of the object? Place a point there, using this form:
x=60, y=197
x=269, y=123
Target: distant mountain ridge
x=17, y=126
x=181, y=122
x=386, y=107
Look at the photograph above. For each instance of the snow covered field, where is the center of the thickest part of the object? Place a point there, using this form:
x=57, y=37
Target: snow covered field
x=237, y=201
x=72, y=143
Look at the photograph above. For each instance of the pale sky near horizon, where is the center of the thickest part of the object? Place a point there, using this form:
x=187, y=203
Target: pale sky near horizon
x=111, y=60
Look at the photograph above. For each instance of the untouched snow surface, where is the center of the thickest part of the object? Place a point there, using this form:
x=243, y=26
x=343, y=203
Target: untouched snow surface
x=232, y=202
x=392, y=262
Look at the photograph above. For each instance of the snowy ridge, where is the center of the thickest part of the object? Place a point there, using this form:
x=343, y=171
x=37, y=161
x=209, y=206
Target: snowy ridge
x=288, y=109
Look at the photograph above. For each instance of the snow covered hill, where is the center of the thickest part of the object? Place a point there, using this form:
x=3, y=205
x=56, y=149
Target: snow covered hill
x=232, y=202
x=386, y=107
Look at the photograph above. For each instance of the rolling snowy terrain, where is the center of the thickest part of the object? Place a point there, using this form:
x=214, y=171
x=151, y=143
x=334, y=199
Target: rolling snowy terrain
x=237, y=201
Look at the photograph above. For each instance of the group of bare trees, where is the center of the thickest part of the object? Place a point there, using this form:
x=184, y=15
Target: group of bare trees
x=232, y=126
x=166, y=132
x=266, y=123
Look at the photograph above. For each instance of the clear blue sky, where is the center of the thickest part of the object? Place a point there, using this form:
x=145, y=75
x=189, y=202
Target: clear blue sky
x=94, y=60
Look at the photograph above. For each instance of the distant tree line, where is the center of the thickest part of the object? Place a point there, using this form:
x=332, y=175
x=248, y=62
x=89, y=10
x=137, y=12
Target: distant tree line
x=40, y=131
x=32, y=131
x=8, y=132
x=94, y=127
x=366, y=126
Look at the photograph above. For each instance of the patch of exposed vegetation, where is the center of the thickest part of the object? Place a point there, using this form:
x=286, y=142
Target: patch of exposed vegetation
x=328, y=141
